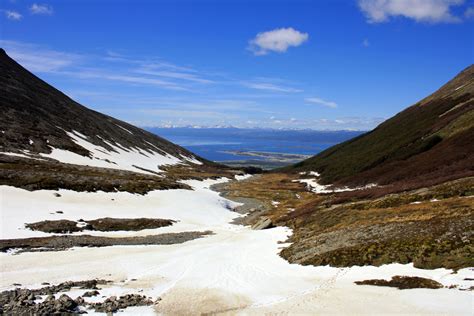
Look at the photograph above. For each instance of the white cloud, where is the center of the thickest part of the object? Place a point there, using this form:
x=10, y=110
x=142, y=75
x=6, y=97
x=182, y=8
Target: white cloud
x=43, y=9
x=38, y=59
x=322, y=102
x=174, y=75
x=433, y=11
x=270, y=87
x=13, y=15
x=365, y=43
x=126, y=78
x=277, y=40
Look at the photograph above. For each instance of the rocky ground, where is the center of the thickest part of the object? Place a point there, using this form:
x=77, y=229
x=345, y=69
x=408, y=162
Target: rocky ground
x=105, y=224
x=57, y=243
x=404, y=283
x=47, y=301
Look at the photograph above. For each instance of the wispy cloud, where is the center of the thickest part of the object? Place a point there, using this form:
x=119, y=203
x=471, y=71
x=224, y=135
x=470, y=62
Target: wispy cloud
x=469, y=13
x=322, y=102
x=151, y=89
x=174, y=75
x=39, y=59
x=432, y=11
x=118, y=67
x=365, y=42
x=44, y=60
x=13, y=15
x=93, y=73
x=269, y=87
x=277, y=40
x=41, y=9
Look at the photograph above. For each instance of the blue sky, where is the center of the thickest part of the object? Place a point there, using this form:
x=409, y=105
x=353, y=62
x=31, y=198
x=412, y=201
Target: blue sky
x=346, y=64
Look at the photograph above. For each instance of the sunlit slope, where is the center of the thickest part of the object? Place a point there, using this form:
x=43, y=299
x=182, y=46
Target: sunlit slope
x=427, y=143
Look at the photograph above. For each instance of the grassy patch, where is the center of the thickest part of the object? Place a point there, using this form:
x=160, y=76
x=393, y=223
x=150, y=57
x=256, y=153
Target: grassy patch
x=431, y=227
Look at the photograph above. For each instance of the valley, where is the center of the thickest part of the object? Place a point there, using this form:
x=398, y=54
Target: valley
x=99, y=216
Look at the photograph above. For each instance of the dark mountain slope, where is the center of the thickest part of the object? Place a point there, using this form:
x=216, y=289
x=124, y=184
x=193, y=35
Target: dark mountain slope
x=49, y=141
x=428, y=143
x=33, y=110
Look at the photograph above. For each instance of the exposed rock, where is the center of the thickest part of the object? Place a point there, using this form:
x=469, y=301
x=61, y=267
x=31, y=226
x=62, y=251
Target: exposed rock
x=56, y=243
x=135, y=224
x=113, y=304
x=22, y=301
x=90, y=293
x=404, y=282
x=101, y=224
x=57, y=227
x=263, y=223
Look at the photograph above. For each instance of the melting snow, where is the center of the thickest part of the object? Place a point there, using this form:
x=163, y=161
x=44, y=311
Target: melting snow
x=236, y=269
x=314, y=186
x=124, y=129
x=118, y=158
x=242, y=177
x=21, y=155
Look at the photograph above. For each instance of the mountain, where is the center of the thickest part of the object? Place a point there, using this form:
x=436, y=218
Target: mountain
x=428, y=143
x=419, y=209
x=42, y=128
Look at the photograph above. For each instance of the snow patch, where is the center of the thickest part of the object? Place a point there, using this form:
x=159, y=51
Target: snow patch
x=25, y=155
x=242, y=177
x=191, y=160
x=131, y=159
x=124, y=128
x=314, y=186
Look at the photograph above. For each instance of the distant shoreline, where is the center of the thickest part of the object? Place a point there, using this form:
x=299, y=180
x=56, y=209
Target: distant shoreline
x=267, y=155
x=263, y=159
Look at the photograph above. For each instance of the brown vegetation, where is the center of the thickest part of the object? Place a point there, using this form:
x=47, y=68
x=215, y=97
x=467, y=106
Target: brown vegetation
x=404, y=283
x=431, y=227
x=106, y=224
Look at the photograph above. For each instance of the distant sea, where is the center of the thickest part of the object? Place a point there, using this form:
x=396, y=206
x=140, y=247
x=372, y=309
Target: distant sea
x=243, y=145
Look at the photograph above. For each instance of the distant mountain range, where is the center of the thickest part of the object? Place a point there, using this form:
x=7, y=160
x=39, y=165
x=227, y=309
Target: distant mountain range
x=231, y=127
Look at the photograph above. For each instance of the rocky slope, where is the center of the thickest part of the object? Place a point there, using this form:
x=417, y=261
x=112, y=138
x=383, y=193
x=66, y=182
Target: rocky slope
x=49, y=141
x=426, y=144
x=36, y=117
